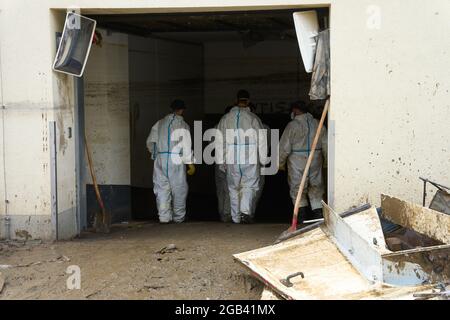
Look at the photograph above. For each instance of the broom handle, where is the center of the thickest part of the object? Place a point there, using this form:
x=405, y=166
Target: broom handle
x=94, y=180
x=308, y=164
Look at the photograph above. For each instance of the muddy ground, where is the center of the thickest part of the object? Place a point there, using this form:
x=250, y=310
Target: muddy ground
x=125, y=264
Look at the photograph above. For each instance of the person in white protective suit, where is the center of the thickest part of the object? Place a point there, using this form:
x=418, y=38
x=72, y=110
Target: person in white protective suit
x=240, y=151
x=262, y=178
x=223, y=196
x=295, y=147
x=171, y=153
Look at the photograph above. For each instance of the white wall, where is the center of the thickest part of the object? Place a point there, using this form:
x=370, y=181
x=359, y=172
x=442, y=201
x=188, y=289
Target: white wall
x=107, y=115
x=269, y=70
x=390, y=108
x=27, y=84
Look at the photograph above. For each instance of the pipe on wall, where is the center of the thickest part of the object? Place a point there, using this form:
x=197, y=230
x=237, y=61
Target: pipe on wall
x=7, y=221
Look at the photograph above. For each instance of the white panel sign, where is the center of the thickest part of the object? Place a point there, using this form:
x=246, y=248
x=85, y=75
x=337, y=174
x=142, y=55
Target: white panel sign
x=307, y=28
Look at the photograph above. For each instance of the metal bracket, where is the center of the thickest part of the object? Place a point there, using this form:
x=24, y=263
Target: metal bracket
x=287, y=281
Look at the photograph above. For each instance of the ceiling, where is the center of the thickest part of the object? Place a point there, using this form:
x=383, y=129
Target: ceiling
x=203, y=27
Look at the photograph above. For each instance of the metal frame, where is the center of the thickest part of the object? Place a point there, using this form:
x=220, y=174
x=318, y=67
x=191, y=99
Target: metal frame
x=80, y=154
x=363, y=255
x=437, y=185
x=80, y=121
x=53, y=179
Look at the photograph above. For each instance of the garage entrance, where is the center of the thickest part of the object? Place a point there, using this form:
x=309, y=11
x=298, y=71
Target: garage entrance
x=141, y=62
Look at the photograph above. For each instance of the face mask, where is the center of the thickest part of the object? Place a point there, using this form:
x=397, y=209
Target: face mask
x=292, y=116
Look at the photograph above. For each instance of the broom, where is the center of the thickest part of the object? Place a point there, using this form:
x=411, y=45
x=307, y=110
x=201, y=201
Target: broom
x=293, y=226
x=102, y=219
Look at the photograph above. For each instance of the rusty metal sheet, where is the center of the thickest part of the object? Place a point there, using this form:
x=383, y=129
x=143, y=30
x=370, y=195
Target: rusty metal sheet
x=269, y=294
x=431, y=223
x=417, y=266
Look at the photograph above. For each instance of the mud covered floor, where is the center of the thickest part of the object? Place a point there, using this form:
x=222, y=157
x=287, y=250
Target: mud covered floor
x=125, y=264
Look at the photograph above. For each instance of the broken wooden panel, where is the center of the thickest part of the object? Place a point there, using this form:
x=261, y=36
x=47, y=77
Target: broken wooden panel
x=429, y=222
x=417, y=266
x=327, y=273
x=359, y=242
x=338, y=261
x=269, y=294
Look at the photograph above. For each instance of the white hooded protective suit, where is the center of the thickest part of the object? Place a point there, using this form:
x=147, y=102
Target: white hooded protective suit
x=169, y=170
x=223, y=195
x=262, y=178
x=295, y=147
x=240, y=151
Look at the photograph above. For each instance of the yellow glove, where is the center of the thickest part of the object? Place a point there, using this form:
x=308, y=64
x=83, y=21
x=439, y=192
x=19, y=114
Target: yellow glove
x=282, y=167
x=191, y=169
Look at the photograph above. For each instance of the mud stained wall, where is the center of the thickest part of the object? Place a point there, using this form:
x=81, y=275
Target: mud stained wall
x=272, y=71
x=389, y=112
x=2, y=159
x=107, y=124
x=28, y=100
x=106, y=109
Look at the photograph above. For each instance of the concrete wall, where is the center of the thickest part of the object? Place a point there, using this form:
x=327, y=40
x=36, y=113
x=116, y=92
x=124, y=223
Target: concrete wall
x=27, y=47
x=272, y=71
x=389, y=107
x=107, y=117
x=107, y=125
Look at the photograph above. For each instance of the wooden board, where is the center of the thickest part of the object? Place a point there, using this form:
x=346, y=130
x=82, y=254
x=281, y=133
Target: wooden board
x=328, y=273
x=268, y=294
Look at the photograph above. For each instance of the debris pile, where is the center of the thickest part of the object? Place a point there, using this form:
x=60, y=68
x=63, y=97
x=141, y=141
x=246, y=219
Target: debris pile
x=400, y=251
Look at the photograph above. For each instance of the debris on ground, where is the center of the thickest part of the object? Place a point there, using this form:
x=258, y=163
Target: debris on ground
x=23, y=234
x=356, y=258
x=2, y=282
x=168, y=249
x=153, y=287
x=119, y=265
x=59, y=259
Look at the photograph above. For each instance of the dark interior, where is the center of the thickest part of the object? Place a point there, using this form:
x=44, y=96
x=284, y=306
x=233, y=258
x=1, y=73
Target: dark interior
x=251, y=28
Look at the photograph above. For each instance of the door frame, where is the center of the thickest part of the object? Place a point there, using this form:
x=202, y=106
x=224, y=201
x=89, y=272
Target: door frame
x=80, y=110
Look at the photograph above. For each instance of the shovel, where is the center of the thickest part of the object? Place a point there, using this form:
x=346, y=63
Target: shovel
x=293, y=226
x=102, y=219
